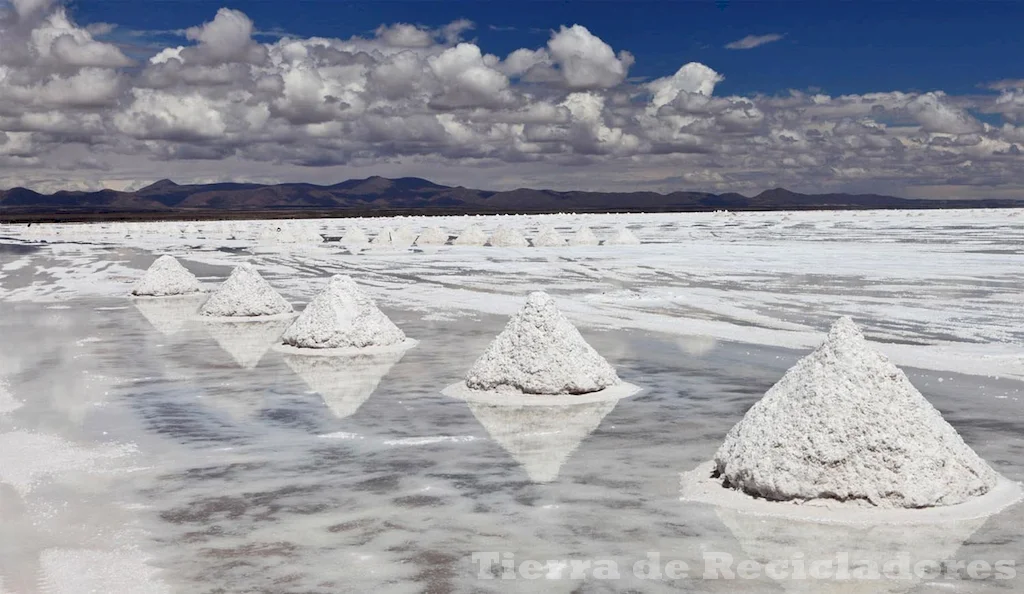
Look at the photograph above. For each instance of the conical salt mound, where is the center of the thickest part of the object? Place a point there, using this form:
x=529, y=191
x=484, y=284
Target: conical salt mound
x=623, y=237
x=584, y=236
x=166, y=276
x=472, y=235
x=507, y=237
x=541, y=438
x=344, y=383
x=432, y=236
x=541, y=352
x=245, y=294
x=246, y=342
x=404, y=236
x=342, y=316
x=549, y=237
x=354, y=236
x=386, y=237
x=846, y=424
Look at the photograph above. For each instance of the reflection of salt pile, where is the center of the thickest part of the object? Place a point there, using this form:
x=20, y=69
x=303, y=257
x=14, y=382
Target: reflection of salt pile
x=540, y=353
x=472, y=235
x=549, y=237
x=584, y=236
x=169, y=315
x=344, y=382
x=541, y=438
x=432, y=236
x=342, y=316
x=819, y=433
x=623, y=237
x=507, y=237
x=245, y=294
x=246, y=341
x=166, y=276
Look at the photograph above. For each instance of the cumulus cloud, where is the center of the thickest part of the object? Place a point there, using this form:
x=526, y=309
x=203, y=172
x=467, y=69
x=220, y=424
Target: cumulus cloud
x=752, y=41
x=412, y=100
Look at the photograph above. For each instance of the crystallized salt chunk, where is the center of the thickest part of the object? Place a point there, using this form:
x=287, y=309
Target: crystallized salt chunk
x=166, y=276
x=245, y=294
x=845, y=423
x=342, y=316
x=541, y=352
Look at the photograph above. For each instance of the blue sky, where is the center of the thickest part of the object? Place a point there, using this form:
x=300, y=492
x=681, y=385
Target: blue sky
x=867, y=96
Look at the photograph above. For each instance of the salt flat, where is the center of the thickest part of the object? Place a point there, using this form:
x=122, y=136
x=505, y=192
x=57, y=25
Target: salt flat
x=173, y=445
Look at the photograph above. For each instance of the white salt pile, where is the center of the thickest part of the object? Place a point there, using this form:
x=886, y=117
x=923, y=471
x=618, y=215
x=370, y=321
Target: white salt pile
x=342, y=316
x=846, y=424
x=472, y=235
x=541, y=438
x=541, y=352
x=166, y=276
x=245, y=294
x=432, y=236
x=404, y=236
x=584, y=236
x=623, y=237
x=346, y=382
x=549, y=237
x=385, y=238
x=354, y=236
x=505, y=236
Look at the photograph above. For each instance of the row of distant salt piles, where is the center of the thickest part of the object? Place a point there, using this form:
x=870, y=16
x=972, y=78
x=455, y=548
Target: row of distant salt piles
x=503, y=236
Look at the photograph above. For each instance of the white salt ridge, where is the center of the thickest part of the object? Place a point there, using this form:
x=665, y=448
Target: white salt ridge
x=342, y=316
x=846, y=424
x=541, y=352
x=245, y=294
x=623, y=237
x=584, y=236
x=549, y=237
x=505, y=236
x=165, y=277
x=432, y=236
x=472, y=236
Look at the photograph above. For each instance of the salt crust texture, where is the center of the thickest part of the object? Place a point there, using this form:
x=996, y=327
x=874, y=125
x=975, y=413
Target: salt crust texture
x=846, y=424
x=541, y=352
x=549, y=237
x=432, y=236
x=342, y=316
x=166, y=276
x=472, y=235
x=508, y=237
x=623, y=237
x=245, y=294
x=584, y=236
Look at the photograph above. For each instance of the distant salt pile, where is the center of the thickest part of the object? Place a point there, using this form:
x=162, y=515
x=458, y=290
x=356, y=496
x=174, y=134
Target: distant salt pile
x=245, y=294
x=384, y=239
x=505, y=236
x=584, y=236
x=342, y=316
x=165, y=277
x=404, y=236
x=354, y=236
x=623, y=237
x=472, y=236
x=432, y=236
x=540, y=352
x=549, y=237
x=846, y=424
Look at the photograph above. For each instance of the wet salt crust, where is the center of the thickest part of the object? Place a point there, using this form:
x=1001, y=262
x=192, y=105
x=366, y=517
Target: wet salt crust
x=540, y=354
x=166, y=277
x=245, y=294
x=845, y=435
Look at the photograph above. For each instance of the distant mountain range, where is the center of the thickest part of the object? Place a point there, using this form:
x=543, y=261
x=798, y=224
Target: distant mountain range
x=410, y=195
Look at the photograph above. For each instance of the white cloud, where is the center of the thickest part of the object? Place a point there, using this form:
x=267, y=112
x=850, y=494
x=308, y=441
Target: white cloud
x=585, y=61
x=752, y=41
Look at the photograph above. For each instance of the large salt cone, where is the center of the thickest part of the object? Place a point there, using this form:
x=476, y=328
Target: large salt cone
x=245, y=294
x=344, y=382
x=541, y=352
x=471, y=236
x=541, y=438
x=507, y=237
x=403, y=236
x=583, y=237
x=846, y=424
x=549, y=237
x=166, y=276
x=247, y=342
x=354, y=236
x=432, y=236
x=623, y=237
x=171, y=314
x=894, y=547
x=342, y=316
